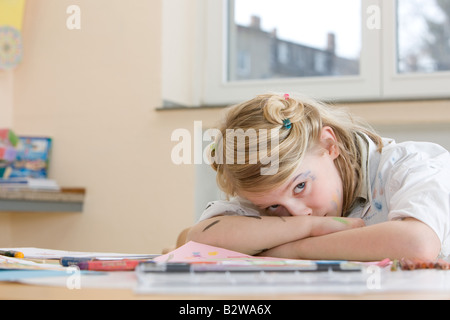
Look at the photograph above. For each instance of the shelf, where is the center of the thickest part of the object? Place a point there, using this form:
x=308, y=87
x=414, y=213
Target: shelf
x=66, y=200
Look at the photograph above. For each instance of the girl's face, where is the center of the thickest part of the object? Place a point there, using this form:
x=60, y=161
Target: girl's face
x=315, y=188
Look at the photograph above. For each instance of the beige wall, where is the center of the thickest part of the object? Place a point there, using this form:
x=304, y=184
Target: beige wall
x=6, y=98
x=95, y=91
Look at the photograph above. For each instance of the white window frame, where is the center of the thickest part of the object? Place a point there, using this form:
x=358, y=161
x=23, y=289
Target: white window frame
x=195, y=62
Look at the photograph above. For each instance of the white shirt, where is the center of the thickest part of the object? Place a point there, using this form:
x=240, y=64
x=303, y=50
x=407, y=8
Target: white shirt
x=409, y=179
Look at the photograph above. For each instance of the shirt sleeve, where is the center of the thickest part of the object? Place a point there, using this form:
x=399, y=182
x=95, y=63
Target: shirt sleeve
x=234, y=207
x=420, y=189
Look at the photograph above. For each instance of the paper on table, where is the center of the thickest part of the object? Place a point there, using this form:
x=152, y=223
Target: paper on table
x=7, y=263
x=20, y=275
x=49, y=254
x=198, y=252
x=193, y=251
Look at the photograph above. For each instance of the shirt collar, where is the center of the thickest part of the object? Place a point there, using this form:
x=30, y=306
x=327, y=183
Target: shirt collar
x=364, y=192
x=370, y=159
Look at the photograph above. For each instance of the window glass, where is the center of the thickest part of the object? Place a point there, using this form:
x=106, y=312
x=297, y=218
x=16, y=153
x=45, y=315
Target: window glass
x=423, y=36
x=271, y=39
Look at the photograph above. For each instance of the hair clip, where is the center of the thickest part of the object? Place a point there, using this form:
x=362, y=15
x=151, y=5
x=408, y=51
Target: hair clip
x=287, y=124
x=286, y=96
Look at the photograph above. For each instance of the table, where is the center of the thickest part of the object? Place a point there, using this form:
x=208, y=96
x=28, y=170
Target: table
x=120, y=290
x=14, y=291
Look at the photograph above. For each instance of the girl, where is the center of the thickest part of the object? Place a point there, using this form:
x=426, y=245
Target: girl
x=339, y=190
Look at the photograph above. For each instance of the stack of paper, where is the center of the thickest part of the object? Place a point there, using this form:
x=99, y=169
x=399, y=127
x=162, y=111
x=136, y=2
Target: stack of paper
x=14, y=269
x=44, y=263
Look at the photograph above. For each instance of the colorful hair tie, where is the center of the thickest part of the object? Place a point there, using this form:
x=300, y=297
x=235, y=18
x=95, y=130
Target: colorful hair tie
x=287, y=124
x=286, y=96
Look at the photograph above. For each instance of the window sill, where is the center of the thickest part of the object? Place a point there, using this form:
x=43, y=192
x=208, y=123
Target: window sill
x=383, y=112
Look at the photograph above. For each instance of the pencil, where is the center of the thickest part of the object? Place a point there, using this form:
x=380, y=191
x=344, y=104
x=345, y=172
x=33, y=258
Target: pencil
x=12, y=253
x=109, y=265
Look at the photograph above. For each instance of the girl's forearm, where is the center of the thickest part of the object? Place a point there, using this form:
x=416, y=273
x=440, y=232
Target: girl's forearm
x=249, y=235
x=253, y=235
x=393, y=239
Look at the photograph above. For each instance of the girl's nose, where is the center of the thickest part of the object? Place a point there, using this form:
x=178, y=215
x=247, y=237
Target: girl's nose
x=296, y=209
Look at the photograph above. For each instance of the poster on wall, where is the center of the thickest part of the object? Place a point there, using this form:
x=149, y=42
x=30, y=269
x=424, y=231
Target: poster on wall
x=11, y=48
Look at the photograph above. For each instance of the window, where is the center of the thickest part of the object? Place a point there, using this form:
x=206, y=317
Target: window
x=231, y=50
x=416, y=49
x=319, y=48
x=423, y=36
x=285, y=39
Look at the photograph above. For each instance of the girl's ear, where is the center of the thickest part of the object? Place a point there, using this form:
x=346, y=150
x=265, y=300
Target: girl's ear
x=329, y=142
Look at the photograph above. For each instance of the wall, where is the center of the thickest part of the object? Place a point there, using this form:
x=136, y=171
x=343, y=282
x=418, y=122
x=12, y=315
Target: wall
x=6, y=98
x=95, y=91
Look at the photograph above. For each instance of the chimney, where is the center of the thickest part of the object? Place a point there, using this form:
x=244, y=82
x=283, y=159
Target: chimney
x=255, y=22
x=274, y=32
x=331, y=42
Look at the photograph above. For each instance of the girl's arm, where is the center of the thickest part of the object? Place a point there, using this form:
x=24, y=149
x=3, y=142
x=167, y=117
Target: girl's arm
x=255, y=234
x=409, y=238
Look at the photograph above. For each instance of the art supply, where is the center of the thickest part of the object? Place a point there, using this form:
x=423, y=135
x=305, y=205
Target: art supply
x=73, y=261
x=198, y=253
x=9, y=263
x=417, y=264
x=109, y=265
x=70, y=261
x=50, y=254
x=198, y=257
x=12, y=253
x=341, y=220
x=249, y=266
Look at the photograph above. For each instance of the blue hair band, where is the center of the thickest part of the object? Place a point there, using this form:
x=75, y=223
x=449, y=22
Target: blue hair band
x=287, y=124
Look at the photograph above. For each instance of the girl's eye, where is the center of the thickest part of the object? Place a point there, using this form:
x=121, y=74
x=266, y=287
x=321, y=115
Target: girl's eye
x=273, y=208
x=300, y=187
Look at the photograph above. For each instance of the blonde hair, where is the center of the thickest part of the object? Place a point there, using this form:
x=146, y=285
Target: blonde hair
x=307, y=118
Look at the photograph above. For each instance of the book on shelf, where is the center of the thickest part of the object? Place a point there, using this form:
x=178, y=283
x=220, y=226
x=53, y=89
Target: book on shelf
x=29, y=184
x=32, y=158
x=8, y=152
